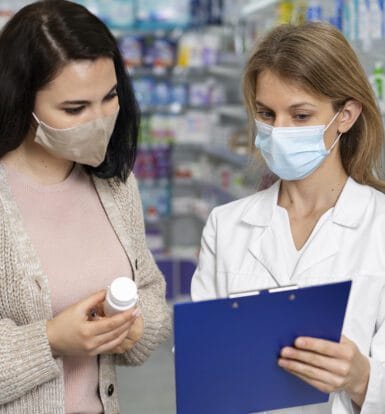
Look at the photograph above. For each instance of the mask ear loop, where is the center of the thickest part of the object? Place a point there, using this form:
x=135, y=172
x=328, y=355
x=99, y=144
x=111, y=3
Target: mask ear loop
x=33, y=125
x=339, y=136
x=332, y=120
x=36, y=118
x=335, y=142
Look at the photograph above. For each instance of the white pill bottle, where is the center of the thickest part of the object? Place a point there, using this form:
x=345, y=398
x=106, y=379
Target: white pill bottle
x=121, y=295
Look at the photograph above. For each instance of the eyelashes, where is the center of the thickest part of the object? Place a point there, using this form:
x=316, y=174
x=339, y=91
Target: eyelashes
x=79, y=109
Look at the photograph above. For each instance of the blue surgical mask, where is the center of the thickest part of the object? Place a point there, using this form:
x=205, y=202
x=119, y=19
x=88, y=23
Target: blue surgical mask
x=293, y=153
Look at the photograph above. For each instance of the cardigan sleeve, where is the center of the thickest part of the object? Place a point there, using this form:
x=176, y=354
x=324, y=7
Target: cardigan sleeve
x=151, y=287
x=26, y=360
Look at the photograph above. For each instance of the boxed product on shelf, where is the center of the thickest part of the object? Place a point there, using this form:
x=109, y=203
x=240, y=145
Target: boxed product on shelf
x=198, y=50
x=195, y=127
x=153, y=162
x=156, y=198
x=180, y=93
x=159, y=51
x=162, y=13
x=131, y=47
x=144, y=91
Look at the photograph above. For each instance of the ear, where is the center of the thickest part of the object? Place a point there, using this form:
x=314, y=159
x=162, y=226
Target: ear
x=349, y=114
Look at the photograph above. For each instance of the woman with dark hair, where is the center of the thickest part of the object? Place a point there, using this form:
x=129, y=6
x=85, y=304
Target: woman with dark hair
x=71, y=217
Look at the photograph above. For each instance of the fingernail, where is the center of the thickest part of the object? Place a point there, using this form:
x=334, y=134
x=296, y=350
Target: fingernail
x=300, y=342
x=137, y=312
x=285, y=352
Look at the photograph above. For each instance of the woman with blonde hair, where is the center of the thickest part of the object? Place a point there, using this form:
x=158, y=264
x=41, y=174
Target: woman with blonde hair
x=316, y=124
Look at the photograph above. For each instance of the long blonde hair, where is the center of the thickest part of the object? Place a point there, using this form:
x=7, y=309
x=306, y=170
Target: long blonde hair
x=319, y=58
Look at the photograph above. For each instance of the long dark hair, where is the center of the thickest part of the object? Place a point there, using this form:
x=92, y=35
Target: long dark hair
x=34, y=45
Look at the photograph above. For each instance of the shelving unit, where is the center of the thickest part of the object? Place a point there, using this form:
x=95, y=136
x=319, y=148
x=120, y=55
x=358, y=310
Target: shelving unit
x=201, y=134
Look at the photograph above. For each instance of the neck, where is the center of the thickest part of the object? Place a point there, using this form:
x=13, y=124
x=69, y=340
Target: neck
x=316, y=193
x=33, y=160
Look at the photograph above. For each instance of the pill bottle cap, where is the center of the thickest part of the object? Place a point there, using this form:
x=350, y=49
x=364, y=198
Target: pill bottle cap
x=123, y=292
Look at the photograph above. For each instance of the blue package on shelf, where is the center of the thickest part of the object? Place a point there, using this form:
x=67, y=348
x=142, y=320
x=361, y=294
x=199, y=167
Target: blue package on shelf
x=180, y=94
x=159, y=52
x=162, y=93
x=131, y=48
x=144, y=91
x=205, y=12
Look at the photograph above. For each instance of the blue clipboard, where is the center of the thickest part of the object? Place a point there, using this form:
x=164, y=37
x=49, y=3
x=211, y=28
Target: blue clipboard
x=226, y=350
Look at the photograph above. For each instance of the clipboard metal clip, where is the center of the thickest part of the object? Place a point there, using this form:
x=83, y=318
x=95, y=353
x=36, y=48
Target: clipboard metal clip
x=257, y=292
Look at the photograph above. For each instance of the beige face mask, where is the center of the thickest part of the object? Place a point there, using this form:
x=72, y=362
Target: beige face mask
x=85, y=144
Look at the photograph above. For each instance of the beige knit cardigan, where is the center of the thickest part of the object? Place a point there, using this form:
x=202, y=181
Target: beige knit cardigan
x=31, y=380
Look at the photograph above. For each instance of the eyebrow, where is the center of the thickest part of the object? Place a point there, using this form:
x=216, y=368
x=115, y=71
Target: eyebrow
x=291, y=107
x=83, y=102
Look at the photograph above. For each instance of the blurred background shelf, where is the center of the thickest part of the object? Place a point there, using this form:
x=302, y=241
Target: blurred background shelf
x=185, y=59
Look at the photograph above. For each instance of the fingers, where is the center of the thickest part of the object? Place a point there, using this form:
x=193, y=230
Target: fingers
x=93, y=300
x=321, y=386
x=108, y=337
x=111, y=345
x=105, y=333
x=337, y=366
x=105, y=325
x=321, y=346
x=311, y=372
x=125, y=346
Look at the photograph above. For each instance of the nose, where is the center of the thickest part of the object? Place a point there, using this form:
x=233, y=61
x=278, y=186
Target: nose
x=281, y=120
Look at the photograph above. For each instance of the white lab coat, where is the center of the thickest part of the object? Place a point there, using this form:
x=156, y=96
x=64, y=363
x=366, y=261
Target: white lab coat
x=239, y=252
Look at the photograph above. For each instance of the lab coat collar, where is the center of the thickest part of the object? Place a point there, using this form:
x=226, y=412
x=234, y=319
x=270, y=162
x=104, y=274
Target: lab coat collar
x=348, y=211
x=352, y=204
x=259, y=211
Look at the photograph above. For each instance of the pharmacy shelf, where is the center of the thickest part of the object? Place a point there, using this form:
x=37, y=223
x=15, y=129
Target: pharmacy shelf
x=226, y=71
x=224, y=154
x=225, y=195
x=255, y=6
x=219, y=152
x=237, y=112
x=168, y=72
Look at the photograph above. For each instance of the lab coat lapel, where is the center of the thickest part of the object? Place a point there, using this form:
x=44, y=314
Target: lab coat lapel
x=266, y=249
x=347, y=214
x=263, y=244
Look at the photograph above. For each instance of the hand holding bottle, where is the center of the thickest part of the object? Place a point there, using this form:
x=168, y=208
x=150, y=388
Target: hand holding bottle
x=71, y=332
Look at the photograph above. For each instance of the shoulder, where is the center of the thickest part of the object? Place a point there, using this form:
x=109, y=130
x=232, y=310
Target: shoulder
x=235, y=208
x=251, y=209
x=374, y=198
x=118, y=186
x=378, y=204
x=378, y=197
x=360, y=205
x=125, y=192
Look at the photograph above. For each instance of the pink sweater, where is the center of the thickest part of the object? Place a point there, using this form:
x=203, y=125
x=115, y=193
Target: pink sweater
x=80, y=253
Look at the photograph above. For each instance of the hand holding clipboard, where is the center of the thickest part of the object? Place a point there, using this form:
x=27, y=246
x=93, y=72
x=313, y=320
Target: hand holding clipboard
x=226, y=350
